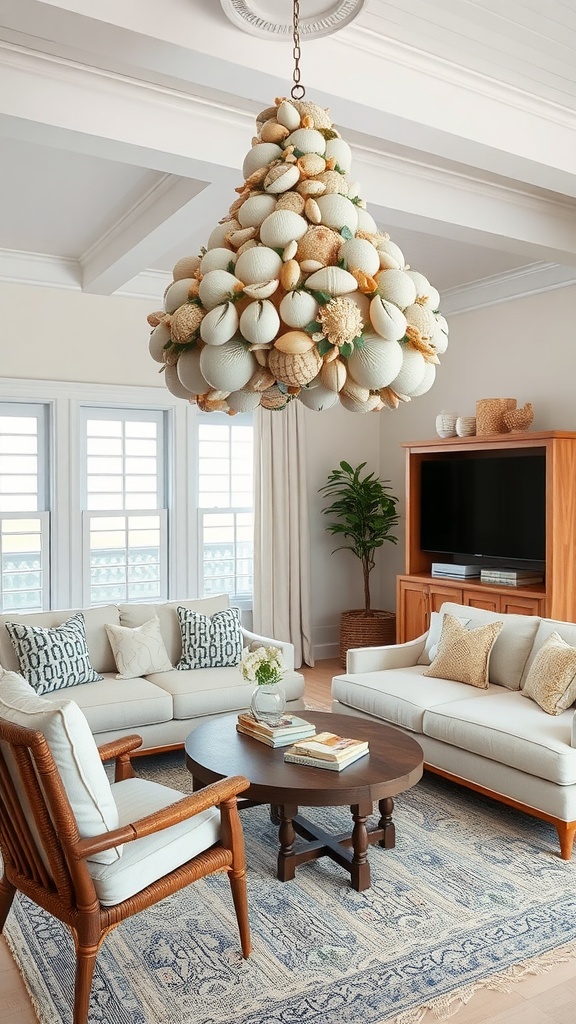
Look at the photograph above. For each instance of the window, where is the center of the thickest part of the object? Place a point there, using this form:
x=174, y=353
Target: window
x=24, y=518
x=225, y=506
x=125, y=514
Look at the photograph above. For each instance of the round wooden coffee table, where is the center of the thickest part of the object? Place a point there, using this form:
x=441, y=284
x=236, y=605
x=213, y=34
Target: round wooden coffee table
x=215, y=750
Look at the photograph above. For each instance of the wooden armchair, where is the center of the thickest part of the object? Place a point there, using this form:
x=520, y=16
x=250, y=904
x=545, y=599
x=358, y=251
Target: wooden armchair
x=76, y=879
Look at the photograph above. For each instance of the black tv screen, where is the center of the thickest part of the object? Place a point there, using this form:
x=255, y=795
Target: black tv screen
x=486, y=507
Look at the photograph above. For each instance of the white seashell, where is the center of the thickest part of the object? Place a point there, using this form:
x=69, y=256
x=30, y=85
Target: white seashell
x=375, y=364
x=422, y=318
x=227, y=367
x=243, y=401
x=307, y=140
x=185, y=267
x=282, y=227
x=312, y=211
x=333, y=375
x=341, y=152
x=427, y=382
x=310, y=187
x=294, y=343
x=250, y=244
x=188, y=367
x=259, y=322
x=391, y=255
x=387, y=320
x=309, y=266
x=255, y=209
x=298, y=309
x=424, y=290
x=366, y=222
x=216, y=259
x=220, y=324
x=281, y=178
x=160, y=337
x=396, y=287
x=290, y=251
x=338, y=212
x=353, y=189
x=239, y=238
x=258, y=264
x=363, y=303
x=354, y=404
x=318, y=397
x=175, y=385
x=360, y=254
x=288, y=116
x=263, y=290
x=333, y=280
x=260, y=156
x=440, y=336
x=219, y=235
x=411, y=373
x=215, y=287
x=178, y=293
x=354, y=391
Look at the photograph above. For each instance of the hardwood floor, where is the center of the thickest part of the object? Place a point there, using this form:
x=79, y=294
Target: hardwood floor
x=541, y=999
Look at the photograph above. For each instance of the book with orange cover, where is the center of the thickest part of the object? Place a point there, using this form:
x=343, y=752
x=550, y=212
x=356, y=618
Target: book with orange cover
x=328, y=746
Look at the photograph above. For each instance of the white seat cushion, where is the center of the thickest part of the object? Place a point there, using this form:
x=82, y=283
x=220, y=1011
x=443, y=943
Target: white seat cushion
x=211, y=691
x=74, y=751
x=127, y=704
x=399, y=696
x=148, y=859
x=509, y=729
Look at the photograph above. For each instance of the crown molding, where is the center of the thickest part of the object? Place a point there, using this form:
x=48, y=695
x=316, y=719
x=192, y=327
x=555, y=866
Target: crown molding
x=514, y=284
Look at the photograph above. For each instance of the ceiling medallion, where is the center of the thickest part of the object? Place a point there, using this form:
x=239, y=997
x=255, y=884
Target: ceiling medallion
x=268, y=19
x=297, y=294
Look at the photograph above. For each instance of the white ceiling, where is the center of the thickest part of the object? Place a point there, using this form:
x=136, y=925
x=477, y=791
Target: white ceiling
x=123, y=126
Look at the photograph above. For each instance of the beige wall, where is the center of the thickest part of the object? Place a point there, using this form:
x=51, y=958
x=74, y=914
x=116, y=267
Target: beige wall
x=524, y=349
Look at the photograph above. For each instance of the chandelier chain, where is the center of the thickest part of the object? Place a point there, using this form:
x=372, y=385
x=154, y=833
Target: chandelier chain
x=298, y=91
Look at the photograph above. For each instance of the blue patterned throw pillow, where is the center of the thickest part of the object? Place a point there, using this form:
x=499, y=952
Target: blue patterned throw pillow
x=210, y=641
x=53, y=657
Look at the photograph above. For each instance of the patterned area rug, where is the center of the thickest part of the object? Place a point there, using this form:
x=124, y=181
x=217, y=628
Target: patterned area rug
x=473, y=895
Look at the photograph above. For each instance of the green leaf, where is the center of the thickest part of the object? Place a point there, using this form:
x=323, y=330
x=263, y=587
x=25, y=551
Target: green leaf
x=342, y=264
x=230, y=267
x=339, y=169
x=298, y=152
x=324, y=347
x=346, y=233
x=279, y=251
x=346, y=350
x=322, y=298
x=356, y=200
x=282, y=387
x=313, y=327
x=328, y=133
x=359, y=341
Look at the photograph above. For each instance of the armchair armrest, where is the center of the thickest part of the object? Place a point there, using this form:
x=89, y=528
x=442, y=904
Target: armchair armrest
x=283, y=645
x=373, y=659
x=119, y=750
x=211, y=796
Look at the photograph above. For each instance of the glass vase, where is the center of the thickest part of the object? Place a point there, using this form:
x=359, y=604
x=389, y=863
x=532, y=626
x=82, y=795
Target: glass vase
x=268, y=703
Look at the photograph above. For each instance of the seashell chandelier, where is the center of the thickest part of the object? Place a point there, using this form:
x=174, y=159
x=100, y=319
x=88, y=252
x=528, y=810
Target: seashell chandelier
x=298, y=294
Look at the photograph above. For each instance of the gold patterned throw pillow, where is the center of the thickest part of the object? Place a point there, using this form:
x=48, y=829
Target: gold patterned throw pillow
x=551, y=681
x=464, y=654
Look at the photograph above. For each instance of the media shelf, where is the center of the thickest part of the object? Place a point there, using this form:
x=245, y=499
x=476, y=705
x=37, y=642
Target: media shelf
x=419, y=593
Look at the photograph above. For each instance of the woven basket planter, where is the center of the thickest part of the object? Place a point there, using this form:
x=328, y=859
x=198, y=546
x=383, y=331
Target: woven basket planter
x=360, y=630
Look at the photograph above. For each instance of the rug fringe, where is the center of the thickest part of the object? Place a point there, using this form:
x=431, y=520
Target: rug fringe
x=448, y=1005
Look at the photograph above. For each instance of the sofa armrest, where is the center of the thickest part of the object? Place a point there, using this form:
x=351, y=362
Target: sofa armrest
x=573, y=734
x=283, y=645
x=373, y=659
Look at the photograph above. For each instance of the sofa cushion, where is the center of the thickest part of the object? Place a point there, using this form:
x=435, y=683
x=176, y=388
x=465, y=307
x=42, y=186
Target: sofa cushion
x=551, y=681
x=148, y=859
x=512, y=646
x=464, y=654
x=506, y=728
x=74, y=751
x=54, y=657
x=399, y=696
x=566, y=630
x=138, y=650
x=110, y=705
x=208, y=691
x=94, y=621
x=136, y=614
x=210, y=641
x=431, y=646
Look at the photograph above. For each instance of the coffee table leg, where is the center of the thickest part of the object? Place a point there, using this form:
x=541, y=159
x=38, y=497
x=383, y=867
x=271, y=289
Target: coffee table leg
x=386, y=807
x=359, y=866
x=287, y=837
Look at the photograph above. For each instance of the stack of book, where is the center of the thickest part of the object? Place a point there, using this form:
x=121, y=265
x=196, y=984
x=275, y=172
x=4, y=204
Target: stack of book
x=511, y=577
x=327, y=750
x=289, y=729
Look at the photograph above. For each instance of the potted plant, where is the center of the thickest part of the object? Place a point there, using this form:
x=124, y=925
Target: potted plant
x=363, y=513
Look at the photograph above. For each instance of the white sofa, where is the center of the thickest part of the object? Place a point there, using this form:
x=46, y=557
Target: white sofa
x=163, y=707
x=494, y=740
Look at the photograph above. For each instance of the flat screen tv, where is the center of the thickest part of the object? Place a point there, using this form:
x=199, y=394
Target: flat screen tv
x=484, y=507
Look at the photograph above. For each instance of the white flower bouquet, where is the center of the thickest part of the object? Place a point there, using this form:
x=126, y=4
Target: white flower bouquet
x=263, y=666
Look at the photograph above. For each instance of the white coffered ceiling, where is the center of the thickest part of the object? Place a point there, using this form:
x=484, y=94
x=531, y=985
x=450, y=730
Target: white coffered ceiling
x=123, y=125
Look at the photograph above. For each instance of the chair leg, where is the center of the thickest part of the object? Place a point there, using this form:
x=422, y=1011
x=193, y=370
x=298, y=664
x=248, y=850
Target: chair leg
x=85, y=960
x=7, y=892
x=240, y=898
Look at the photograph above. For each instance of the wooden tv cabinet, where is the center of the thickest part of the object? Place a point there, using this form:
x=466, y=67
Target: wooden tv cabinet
x=419, y=593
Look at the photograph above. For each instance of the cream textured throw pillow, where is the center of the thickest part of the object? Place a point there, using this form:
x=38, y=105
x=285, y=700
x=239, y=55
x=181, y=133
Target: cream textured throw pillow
x=551, y=681
x=138, y=651
x=464, y=654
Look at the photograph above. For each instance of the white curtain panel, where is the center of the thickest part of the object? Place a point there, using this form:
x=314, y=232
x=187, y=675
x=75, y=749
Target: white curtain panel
x=281, y=530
